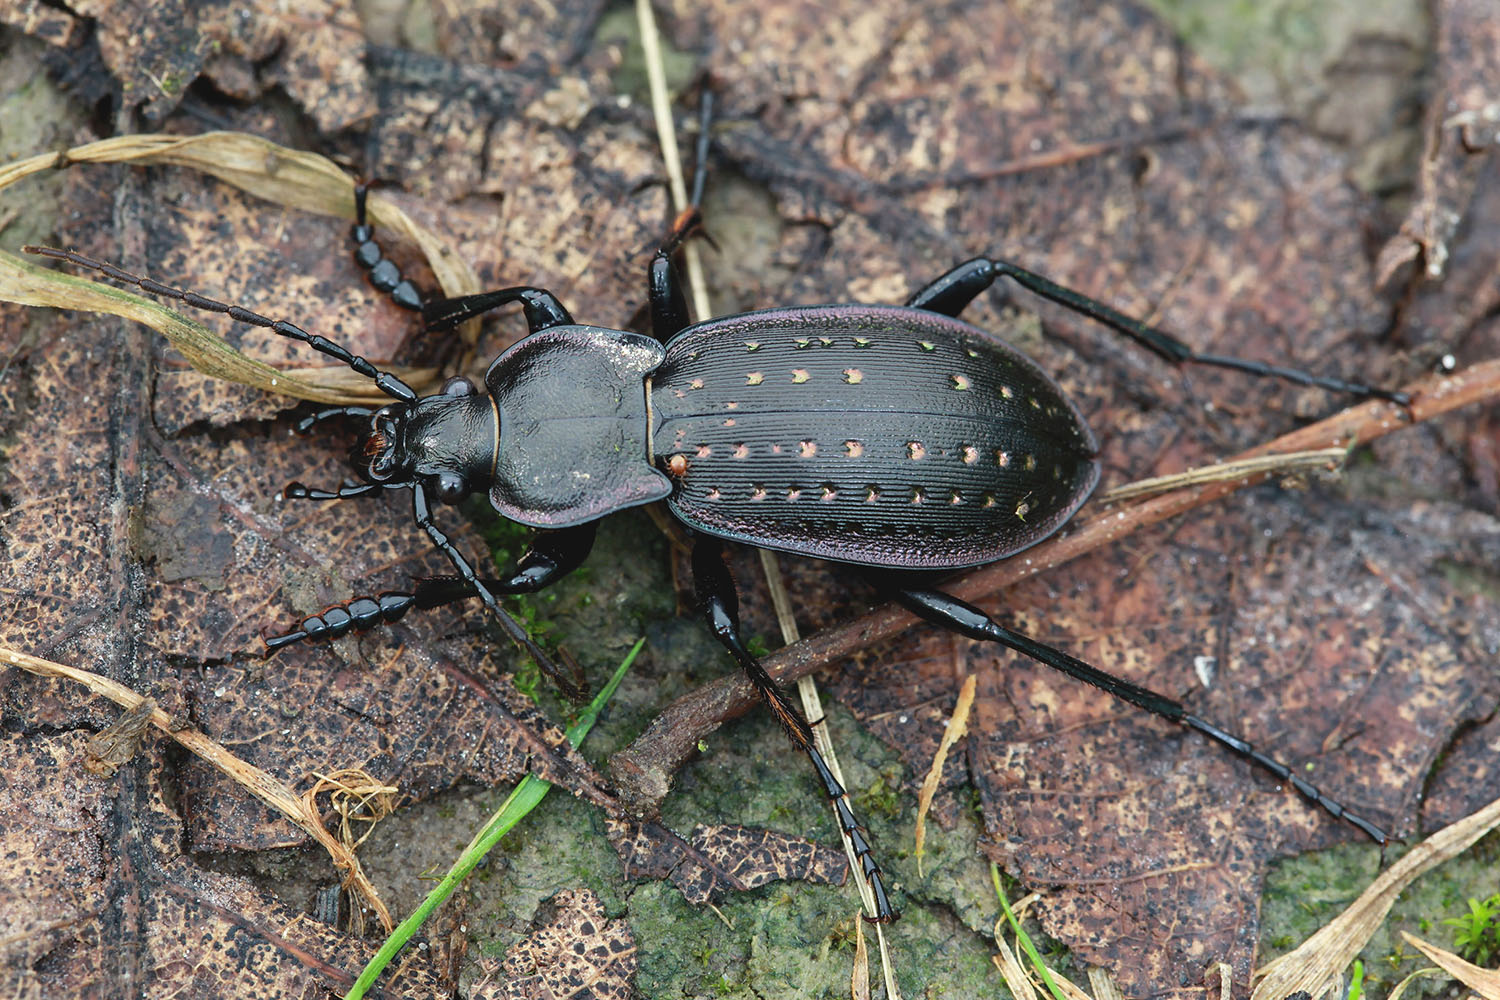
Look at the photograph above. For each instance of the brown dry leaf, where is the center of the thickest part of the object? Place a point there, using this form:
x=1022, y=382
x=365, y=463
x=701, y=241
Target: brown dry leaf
x=717, y=859
x=147, y=55
x=572, y=951
x=508, y=32
x=98, y=897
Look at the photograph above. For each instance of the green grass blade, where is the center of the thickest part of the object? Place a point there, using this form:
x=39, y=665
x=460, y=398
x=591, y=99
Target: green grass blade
x=1022, y=939
x=527, y=795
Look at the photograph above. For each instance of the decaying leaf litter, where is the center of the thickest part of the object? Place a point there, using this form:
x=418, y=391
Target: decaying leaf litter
x=828, y=234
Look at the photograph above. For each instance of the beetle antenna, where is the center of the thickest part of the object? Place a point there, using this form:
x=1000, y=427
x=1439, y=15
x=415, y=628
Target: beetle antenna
x=308, y=422
x=384, y=380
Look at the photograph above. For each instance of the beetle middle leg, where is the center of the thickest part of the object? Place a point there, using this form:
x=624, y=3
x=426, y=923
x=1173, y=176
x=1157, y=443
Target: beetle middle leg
x=542, y=308
x=720, y=604
x=965, y=619
x=951, y=292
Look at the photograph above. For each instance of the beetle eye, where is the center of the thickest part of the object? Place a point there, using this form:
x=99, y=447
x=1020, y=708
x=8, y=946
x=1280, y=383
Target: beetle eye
x=451, y=488
x=458, y=386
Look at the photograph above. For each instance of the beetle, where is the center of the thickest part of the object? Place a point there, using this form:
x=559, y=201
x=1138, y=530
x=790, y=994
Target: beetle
x=897, y=439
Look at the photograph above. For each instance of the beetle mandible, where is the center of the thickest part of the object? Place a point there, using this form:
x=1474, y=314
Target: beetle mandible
x=900, y=439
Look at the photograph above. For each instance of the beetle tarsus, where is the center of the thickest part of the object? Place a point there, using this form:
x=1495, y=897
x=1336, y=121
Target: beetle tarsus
x=553, y=555
x=307, y=423
x=300, y=491
x=359, y=614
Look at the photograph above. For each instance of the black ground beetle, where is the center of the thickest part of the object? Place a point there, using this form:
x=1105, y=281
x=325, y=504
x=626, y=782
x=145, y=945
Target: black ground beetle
x=896, y=438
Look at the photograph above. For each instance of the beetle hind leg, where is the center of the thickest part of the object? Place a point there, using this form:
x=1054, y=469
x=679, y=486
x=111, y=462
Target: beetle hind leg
x=951, y=292
x=965, y=619
x=720, y=604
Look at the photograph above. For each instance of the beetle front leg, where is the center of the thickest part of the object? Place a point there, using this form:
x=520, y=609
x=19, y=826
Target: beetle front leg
x=951, y=613
x=299, y=491
x=422, y=514
x=720, y=602
x=553, y=555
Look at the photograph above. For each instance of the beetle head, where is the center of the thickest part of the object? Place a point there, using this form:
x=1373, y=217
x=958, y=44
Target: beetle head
x=445, y=442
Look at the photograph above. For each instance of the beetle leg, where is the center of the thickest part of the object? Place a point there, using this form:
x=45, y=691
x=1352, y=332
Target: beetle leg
x=357, y=615
x=543, y=311
x=384, y=275
x=720, y=603
x=669, y=312
x=298, y=491
x=965, y=619
x=422, y=514
x=953, y=291
x=553, y=555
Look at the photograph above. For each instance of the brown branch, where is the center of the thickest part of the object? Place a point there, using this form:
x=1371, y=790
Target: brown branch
x=643, y=770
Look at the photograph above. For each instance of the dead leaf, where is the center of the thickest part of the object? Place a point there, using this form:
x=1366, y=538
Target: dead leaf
x=572, y=951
